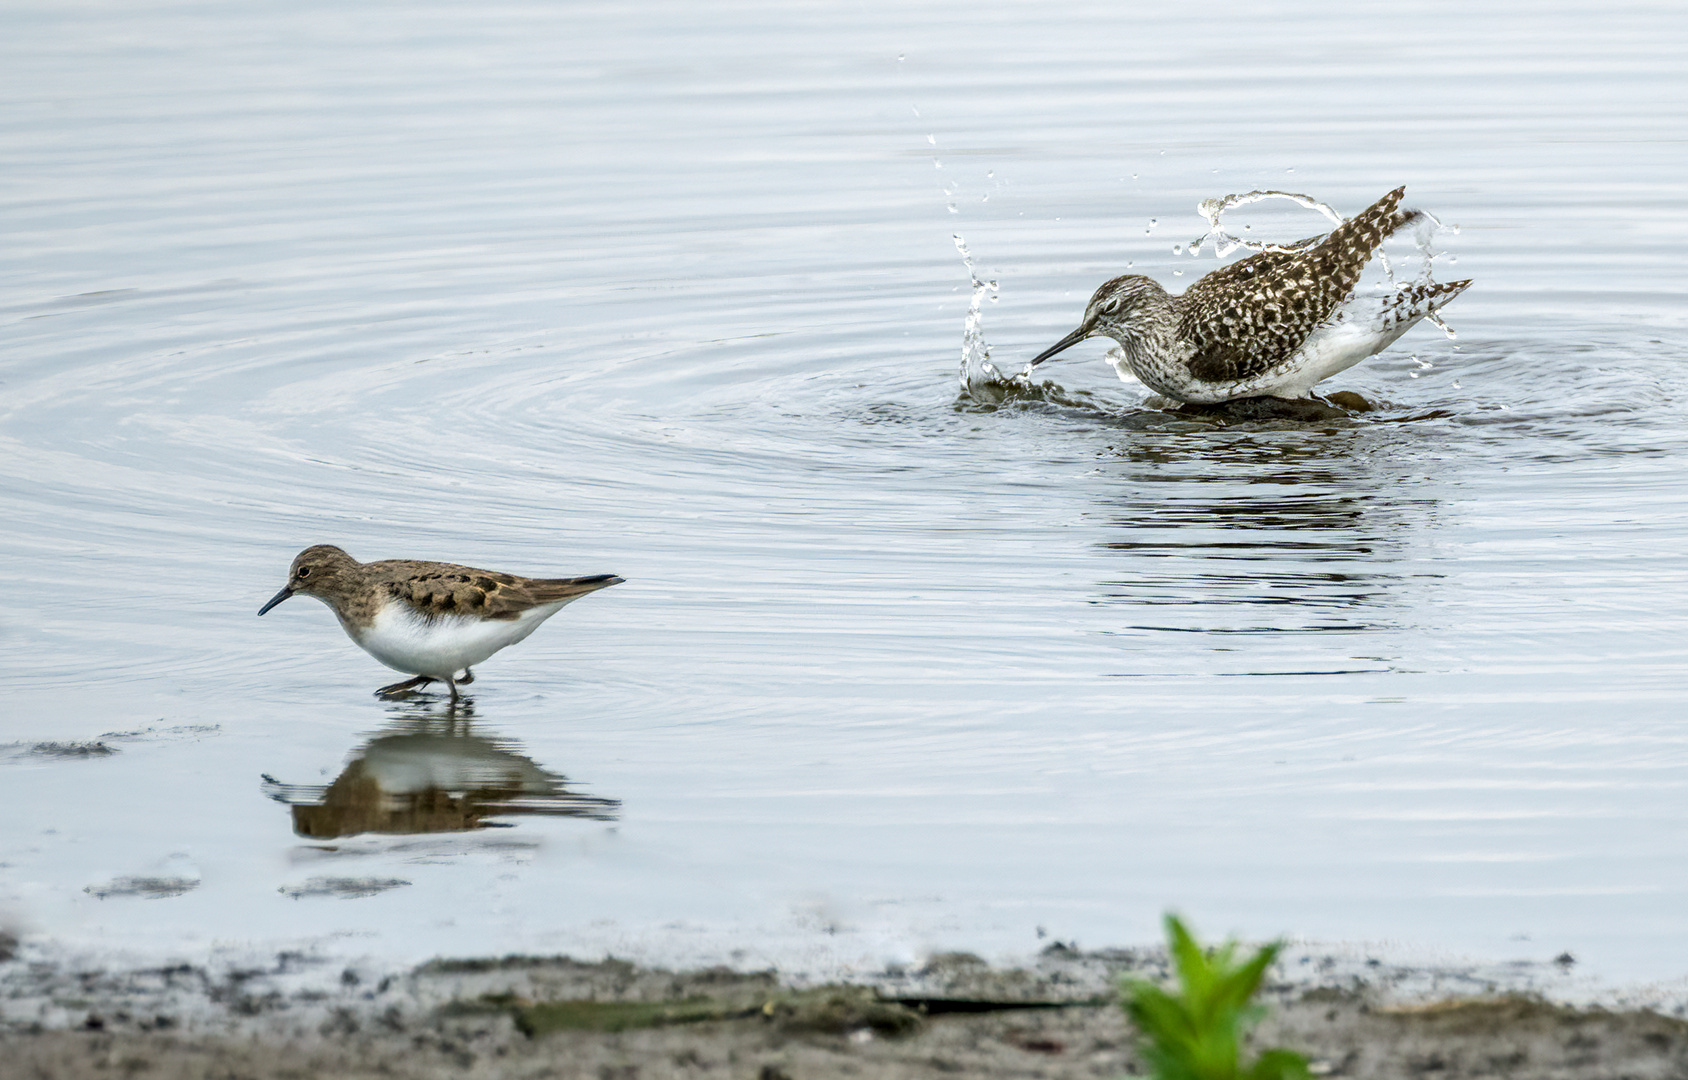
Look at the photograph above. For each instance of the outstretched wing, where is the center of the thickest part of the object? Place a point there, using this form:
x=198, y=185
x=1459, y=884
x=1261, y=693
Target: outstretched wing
x=1249, y=317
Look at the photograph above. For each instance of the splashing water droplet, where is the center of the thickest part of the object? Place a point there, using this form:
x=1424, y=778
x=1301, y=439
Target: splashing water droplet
x=933, y=139
x=1224, y=243
x=1178, y=249
x=980, y=379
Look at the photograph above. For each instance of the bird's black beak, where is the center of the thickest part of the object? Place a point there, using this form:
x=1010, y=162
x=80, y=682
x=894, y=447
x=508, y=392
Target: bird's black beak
x=1063, y=345
x=286, y=591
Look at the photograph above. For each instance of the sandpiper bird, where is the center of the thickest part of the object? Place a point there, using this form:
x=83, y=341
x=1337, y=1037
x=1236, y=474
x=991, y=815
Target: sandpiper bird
x=1273, y=324
x=429, y=619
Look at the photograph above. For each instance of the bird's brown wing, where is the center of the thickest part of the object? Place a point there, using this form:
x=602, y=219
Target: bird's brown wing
x=440, y=589
x=1246, y=318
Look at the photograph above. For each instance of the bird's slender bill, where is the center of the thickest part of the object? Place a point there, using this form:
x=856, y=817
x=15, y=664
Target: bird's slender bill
x=1061, y=346
x=286, y=591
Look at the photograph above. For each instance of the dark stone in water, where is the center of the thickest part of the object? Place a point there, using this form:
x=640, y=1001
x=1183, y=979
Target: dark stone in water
x=1348, y=399
x=1339, y=406
x=72, y=749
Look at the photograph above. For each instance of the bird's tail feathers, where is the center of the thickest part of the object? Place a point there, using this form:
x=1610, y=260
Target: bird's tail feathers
x=547, y=590
x=1402, y=219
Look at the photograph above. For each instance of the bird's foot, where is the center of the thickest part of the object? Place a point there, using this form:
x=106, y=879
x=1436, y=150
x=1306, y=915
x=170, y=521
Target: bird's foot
x=399, y=689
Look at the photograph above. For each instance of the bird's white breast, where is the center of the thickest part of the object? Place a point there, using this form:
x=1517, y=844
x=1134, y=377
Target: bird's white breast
x=405, y=641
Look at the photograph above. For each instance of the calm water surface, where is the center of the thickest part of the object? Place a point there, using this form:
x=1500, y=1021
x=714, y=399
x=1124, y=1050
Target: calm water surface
x=671, y=291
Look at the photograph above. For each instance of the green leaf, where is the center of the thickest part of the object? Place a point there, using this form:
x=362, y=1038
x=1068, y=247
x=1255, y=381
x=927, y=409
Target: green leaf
x=1197, y=1032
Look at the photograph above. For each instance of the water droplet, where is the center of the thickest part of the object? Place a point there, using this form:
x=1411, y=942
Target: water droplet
x=933, y=139
x=985, y=197
x=899, y=58
x=952, y=209
x=936, y=164
x=1453, y=258
x=1153, y=223
x=990, y=174
x=1178, y=249
x=1289, y=170
x=1178, y=273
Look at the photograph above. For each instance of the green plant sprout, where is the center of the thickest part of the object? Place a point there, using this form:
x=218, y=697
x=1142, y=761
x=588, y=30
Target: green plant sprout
x=1197, y=1033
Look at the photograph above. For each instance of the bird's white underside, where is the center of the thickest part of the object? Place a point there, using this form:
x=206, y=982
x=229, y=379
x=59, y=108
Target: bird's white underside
x=442, y=647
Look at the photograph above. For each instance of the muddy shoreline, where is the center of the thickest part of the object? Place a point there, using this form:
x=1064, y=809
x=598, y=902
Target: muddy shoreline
x=955, y=1015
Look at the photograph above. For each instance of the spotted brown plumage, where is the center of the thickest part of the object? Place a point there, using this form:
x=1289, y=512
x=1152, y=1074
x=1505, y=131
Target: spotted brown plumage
x=1274, y=323
x=440, y=589
x=429, y=619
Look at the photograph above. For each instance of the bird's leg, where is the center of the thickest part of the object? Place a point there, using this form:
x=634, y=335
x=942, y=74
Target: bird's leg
x=449, y=681
x=404, y=687
x=468, y=677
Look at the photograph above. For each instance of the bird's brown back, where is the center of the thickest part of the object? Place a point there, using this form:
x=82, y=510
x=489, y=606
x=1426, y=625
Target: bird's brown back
x=1246, y=318
x=441, y=589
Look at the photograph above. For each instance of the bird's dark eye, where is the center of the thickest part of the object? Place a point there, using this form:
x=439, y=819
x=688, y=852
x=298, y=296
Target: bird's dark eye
x=304, y=571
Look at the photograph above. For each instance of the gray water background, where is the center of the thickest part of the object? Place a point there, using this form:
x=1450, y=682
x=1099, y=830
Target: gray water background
x=670, y=290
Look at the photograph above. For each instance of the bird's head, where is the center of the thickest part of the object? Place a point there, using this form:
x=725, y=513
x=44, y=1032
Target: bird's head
x=319, y=571
x=1109, y=312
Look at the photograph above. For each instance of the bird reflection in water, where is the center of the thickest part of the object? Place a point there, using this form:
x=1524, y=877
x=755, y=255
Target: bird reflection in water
x=1278, y=536
x=433, y=776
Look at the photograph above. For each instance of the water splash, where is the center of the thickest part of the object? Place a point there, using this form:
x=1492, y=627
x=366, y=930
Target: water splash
x=984, y=386
x=1224, y=243
x=980, y=379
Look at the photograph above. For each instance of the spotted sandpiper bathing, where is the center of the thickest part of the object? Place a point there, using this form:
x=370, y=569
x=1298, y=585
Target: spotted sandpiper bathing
x=429, y=619
x=1273, y=324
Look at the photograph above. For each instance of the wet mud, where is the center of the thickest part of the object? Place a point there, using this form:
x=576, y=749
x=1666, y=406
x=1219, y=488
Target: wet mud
x=953, y=1016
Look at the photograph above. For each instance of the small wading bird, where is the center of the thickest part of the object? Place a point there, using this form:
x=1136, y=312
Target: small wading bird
x=429, y=619
x=1273, y=324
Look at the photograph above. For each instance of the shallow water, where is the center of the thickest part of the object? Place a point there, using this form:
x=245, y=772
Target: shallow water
x=672, y=293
